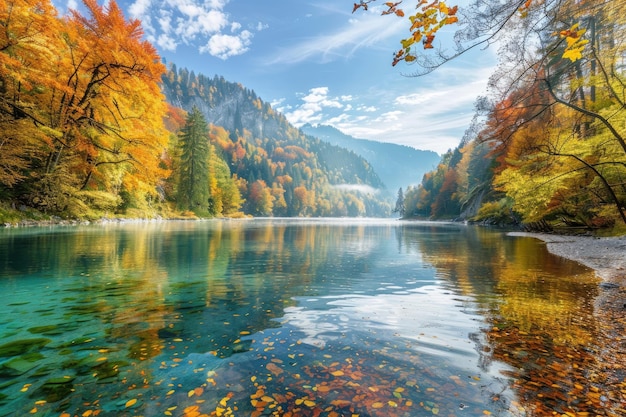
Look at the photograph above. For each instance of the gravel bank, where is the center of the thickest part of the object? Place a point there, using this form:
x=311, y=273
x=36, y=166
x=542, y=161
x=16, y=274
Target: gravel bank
x=607, y=256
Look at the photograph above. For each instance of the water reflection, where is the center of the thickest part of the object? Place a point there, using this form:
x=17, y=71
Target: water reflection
x=271, y=317
x=541, y=322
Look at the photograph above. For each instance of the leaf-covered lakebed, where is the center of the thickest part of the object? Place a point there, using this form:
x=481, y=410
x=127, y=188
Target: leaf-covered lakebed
x=311, y=318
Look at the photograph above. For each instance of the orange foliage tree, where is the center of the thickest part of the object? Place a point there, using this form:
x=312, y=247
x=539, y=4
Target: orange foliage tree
x=89, y=85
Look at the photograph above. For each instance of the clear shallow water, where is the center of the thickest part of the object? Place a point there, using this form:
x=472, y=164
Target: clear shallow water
x=286, y=317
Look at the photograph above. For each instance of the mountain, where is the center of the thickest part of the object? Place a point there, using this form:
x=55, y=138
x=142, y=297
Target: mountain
x=397, y=165
x=281, y=171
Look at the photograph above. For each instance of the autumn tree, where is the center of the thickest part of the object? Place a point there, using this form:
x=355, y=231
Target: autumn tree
x=193, y=183
x=89, y=85
x=260, y=201
x=28, y=46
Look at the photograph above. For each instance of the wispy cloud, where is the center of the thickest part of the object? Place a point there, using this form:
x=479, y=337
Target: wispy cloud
x=203, y=24
x=343, y=42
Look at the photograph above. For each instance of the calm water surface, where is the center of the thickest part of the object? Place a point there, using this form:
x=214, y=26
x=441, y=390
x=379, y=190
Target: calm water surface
x=285, y=317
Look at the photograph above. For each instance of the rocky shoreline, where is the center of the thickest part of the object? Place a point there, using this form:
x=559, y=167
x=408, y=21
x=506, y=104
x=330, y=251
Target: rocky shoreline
x=606, y=255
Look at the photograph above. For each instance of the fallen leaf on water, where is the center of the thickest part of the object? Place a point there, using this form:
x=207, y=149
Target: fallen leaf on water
x=273, y=368
x=378, y=404
x=130, y=403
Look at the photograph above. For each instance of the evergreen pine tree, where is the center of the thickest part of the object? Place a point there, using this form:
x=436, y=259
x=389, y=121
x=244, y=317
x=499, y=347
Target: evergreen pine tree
x=193, y=187
x=399, y=203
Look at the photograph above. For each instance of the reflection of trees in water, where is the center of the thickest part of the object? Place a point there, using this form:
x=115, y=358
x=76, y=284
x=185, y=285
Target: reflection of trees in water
x=539, y=307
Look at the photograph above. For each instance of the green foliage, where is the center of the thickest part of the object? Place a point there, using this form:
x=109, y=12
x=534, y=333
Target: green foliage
x=193, y=172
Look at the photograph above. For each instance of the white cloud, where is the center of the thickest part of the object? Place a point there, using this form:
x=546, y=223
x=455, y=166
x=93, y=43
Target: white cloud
x=313, y=105
x=140, y=8
x=204, y=24
x=225, y=46
x=166, y=42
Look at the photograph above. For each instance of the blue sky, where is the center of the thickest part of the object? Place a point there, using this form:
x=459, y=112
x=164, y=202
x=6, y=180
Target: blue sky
x=316, y=62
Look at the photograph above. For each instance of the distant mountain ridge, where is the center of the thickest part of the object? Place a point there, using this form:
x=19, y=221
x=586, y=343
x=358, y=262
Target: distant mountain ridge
x=396, y=165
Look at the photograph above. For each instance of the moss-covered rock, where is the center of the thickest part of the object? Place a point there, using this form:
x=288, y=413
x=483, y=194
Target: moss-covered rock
x=20, y=347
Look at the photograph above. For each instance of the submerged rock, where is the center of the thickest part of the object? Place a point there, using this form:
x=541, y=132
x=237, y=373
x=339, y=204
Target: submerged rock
x=20, y=347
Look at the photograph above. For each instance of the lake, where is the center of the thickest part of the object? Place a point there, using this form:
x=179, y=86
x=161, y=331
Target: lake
x=277, y=317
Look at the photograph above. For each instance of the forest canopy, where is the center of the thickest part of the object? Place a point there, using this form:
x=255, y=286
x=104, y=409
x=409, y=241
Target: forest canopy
x=552, y=126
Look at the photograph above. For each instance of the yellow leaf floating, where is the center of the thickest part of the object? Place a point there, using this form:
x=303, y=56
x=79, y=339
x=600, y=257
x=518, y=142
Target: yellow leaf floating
x=378, y=404
x=337, y=373
x=309, y=403
x=130, y=403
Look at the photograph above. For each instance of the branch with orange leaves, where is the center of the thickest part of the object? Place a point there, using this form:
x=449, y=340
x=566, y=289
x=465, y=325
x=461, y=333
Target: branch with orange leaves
x=434, y=15
x=427, y=20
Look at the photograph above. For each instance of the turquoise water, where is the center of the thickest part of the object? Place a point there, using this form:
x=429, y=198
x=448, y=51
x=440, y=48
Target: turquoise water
x=274, y=317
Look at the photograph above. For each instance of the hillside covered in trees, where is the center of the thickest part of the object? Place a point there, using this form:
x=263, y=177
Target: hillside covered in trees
x=87, y=132
x=397, y=165
x=549, y=149
x=279, y=170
